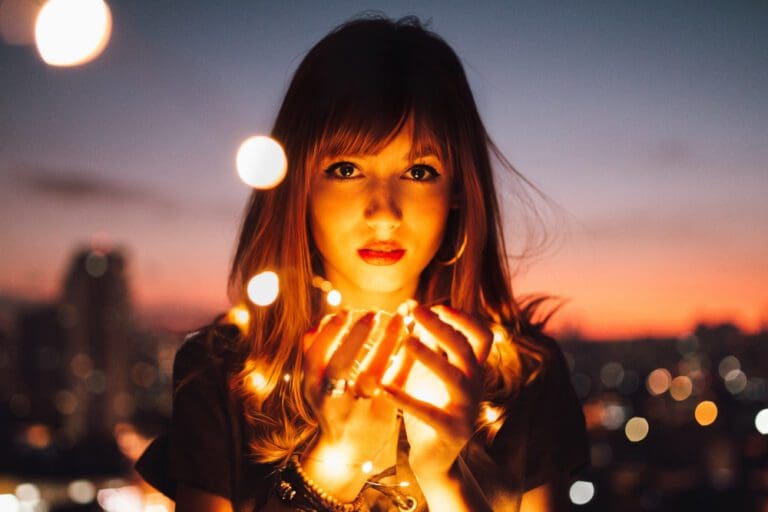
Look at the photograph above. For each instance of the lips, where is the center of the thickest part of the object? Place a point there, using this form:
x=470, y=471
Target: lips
x=381, y=253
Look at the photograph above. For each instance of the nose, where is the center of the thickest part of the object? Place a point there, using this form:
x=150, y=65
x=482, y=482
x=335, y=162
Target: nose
x=383, y=212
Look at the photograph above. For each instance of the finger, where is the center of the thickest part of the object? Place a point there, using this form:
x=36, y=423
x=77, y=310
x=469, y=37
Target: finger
x=478, y=334
x=397, y=373
x=374, y=370
x=343, y=360
x=425, y=411
x=448, y=338
x=453, y=378
x=322, y=342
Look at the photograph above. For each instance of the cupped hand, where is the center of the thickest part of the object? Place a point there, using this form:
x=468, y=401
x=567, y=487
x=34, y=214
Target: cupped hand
x=452, y=346
x=357, y=421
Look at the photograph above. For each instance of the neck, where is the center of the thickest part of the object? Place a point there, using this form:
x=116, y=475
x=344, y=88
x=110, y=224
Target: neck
x=353, y=297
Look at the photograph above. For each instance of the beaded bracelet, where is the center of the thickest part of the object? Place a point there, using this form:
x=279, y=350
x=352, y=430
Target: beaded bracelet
x=296, y=489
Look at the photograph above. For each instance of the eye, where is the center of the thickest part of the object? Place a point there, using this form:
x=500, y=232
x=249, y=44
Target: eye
x=342, y=171
x=421, y=172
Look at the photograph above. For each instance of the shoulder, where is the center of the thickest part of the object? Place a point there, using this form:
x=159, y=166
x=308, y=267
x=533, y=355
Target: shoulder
x=210, y=350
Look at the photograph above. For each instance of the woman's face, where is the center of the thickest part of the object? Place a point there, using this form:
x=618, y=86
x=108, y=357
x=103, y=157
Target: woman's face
x=378, y=219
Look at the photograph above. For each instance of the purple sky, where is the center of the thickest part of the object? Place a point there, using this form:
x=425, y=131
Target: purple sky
x=646, y=125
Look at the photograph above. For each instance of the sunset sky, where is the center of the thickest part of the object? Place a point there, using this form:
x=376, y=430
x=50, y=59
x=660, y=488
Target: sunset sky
x=644, y=124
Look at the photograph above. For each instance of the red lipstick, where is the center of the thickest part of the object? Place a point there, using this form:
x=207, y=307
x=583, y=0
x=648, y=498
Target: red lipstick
x=381, y=253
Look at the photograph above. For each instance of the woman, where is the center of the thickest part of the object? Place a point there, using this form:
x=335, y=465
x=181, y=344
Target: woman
x=431, y=385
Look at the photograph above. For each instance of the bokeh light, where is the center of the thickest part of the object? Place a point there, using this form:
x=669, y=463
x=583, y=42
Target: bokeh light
x=240, y=317
x=9, y=503
x=261, y=162
x=72, y=32
x=257, y=380
x=581, y=492
x=735, y=381
x=612, y=374
x=334, y=298
x=81, y=491
x=28, y=494
x=761, y=421
x=705, y=413
x=658, y=381
x=681, y=388
x=636, y=429
x=728, y=364
x=263, y=288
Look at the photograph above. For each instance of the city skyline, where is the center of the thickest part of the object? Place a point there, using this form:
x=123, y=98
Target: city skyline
x=644, y=126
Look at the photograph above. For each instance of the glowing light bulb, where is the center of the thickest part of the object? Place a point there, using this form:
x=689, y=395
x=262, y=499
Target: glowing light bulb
x=258, y=381
x=367, y=467
x=72, y=32
x=287, y=377
x=491, y=413
x=261, y=162
x=705, y=413
x=636, y=429
x=334, y=297
x=263, y=288
x=239, y=316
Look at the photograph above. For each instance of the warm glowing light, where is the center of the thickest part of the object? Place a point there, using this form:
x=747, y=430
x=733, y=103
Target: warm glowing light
x=72, y=32
x=122, y=499
x=38, y=436
x=287, y=377
x=636, y=429
x=335, y=461
x=705, y=413
x=367, y=467
x=681, y=388
x=81, y=491
x=424, y=385
x=761, y=421
x=334, y=297
x=581, y=492
x=239, y=316
x=261, y=162
x=491, y=413
x=263, y=288
x=258, y=381
x=499, y=333
x=9, y=503
x=658, y=381
x=28, y=494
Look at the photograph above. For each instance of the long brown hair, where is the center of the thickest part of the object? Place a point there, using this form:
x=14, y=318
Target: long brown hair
x=352, y=93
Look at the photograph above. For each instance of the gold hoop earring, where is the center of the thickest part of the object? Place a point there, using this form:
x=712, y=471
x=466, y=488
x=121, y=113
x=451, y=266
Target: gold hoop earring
x=459, y=253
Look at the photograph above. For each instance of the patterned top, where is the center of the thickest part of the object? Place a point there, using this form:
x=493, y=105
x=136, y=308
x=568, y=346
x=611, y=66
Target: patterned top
x=544, y=437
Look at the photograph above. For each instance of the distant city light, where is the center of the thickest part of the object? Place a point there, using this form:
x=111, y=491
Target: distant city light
x=9, y=503
x=72, y=32
x=636, y=429
x=727, y=365
x=612, y=374
x=28, y=494
x=613, y=416
x=581, y=492
x=261, y=162
x=705, y=413
x=658, y=381
x=334, y=297
x=96, y=264
x=735, y=381
x=81, y=491
x=263, y=288
x=681, y=388
x=761, y=421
